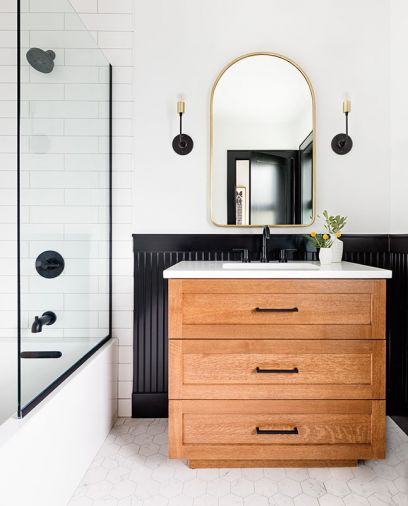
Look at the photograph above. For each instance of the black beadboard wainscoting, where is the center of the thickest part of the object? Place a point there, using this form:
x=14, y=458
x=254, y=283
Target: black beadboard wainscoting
x=155, y=252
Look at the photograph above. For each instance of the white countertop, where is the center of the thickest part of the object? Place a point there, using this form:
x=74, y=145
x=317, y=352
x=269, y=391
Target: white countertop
x=215, y=270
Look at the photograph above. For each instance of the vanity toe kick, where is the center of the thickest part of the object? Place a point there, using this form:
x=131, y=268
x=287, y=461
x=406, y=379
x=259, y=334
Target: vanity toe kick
x=276, y=372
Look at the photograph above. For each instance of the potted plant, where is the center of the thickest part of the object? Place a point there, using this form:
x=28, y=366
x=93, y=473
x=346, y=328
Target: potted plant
x=334, y=225
x=322, y=243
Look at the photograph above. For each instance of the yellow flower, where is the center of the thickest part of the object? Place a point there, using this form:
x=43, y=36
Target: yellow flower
x=326, y=237
x=313, y=234
x=338, y=234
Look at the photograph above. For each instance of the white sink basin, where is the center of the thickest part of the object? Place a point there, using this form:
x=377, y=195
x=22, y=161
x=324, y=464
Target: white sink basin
x=271, y=266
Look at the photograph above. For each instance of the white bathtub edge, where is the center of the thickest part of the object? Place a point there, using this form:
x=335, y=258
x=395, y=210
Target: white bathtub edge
x=44, y=456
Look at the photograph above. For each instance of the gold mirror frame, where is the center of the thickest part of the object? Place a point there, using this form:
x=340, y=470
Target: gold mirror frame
x=239, y=58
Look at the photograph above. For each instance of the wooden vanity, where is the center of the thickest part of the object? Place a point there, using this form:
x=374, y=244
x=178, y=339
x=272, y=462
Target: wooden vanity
x=276, y=372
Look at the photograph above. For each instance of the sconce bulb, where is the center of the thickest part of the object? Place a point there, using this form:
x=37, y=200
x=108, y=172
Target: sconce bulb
x=181, y=106
x=346, y=105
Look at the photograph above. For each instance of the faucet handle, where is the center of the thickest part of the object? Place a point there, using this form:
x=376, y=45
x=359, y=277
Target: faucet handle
x=244, y=254
x=283, y=256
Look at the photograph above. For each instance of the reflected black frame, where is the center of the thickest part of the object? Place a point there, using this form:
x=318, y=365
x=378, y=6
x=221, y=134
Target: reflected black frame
x=23, y=411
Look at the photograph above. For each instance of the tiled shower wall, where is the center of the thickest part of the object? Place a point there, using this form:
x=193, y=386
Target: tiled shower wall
x=64, y=173
x=111, y=22
x=8, y=284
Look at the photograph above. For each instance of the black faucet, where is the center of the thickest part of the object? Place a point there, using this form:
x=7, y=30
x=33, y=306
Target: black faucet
x=266, y=235
x=48, y=318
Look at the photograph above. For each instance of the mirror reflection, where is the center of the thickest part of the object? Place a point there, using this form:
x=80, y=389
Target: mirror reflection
x=262, y=144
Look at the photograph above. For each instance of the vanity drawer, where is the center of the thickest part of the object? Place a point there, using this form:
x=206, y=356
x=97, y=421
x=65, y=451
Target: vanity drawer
x=278, y=369
x=277, y=309
x=289, y=429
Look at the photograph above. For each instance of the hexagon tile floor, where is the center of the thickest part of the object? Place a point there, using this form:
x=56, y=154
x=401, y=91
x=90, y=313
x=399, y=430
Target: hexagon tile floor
x=132, y=469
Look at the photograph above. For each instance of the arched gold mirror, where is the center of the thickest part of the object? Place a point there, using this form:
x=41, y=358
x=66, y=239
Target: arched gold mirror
x=262, y=145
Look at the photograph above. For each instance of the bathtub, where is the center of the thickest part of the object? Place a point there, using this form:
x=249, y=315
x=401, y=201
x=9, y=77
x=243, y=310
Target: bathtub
x=44, y=455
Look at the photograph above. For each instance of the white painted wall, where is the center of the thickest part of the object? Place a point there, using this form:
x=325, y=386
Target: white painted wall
x=399, y=118
x=180, y=47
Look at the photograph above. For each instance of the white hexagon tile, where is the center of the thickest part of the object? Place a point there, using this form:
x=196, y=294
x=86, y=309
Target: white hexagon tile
x=132, y=469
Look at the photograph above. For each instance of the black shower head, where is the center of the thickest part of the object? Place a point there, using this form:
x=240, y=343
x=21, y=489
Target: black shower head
x=41, y=60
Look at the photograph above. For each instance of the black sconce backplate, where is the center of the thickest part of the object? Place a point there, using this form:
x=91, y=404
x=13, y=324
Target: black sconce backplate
x=183, y=144
x=342, y=144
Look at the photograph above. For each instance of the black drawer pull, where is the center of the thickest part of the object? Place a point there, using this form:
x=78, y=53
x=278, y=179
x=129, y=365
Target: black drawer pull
x=295, y=370
x=293, y=431
x=276, y=310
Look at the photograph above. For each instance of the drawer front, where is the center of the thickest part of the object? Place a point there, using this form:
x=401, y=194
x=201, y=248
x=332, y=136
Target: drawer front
x=288, y=309
x=251, y=369
x=289, y=429
x=277, y=309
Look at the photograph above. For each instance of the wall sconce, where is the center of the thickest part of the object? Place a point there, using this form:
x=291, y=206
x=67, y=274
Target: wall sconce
x=182, y=143
x=342, y=143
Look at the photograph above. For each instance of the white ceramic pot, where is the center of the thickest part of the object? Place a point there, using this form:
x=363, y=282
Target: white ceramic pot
x=337, y=250
x=325, y=256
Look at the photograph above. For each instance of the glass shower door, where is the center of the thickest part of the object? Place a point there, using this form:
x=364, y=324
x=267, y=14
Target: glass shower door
x=65, y=194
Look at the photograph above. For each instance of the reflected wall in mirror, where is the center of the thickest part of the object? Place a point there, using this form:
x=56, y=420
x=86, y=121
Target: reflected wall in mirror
x=262, y=144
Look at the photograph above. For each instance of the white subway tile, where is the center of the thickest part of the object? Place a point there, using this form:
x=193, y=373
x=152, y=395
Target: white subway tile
x=68, y=249
x=84, y=91
x=47, y=198
x=46, y=161
x=124, y=405
x=7, y=54
x=86, y=267
x=119, y=6
x=114, y=40
x=8, y=179
x=50, y=6
x=125, y=336
x=90, y=197
x=8, y=6
x=66, y=214
x=7, y=215
x=39, y=91
x=88, y=57
x=8, y=74
x=8, y=108
x=125, y=389
x=63, y=144
x=108, y=22
x=82, y=302
x=8, y=91
x=64, y=109
x=125, y=372
x=62, y=39
x=42, y=232
x=8, y=284
x=8, y=231
x=64, y=284
x=8, y=38
x=119, y=57
x=88, y=162
x=85, y=5
x=8, y=250
x=86, y=126
x=86, y=232
x=64, y=74
x=7, y=197
x=41, y=301
x=8, y=21
x=42, y=21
